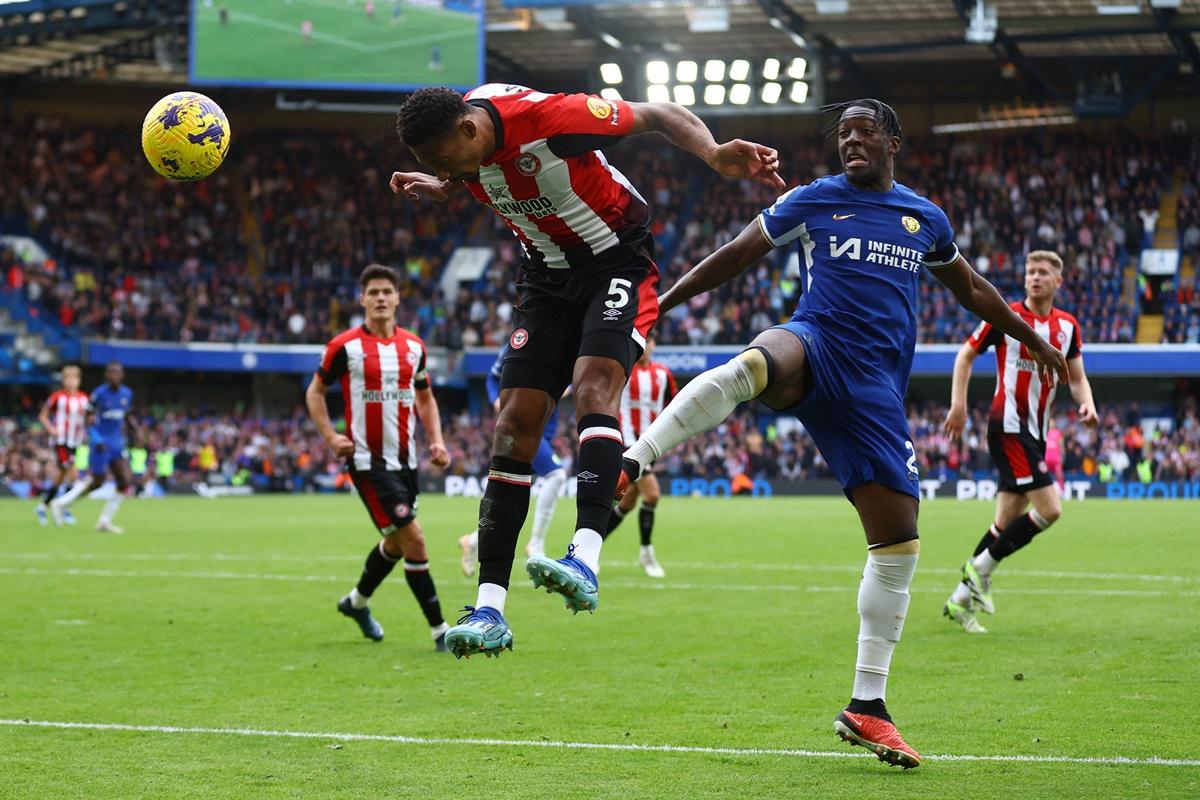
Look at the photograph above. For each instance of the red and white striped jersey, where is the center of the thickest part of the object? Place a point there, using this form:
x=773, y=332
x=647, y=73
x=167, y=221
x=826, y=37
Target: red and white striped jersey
x=649, y=390
x=379, y=381
x=1022, y=402
x=548, y=179
x=68, y=417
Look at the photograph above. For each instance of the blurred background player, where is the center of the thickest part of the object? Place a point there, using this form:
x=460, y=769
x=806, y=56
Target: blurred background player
x=385, y=387
x=110, y=407
x=545, y=466
x=842, y=365
x=1018, y=428
x=587, y=296
x=64, y=418
x=651, y=386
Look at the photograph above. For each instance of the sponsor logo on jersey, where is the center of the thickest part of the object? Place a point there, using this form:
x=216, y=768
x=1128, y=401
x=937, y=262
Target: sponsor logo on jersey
x=612, y=314
x=1026, y=365
x=600, y=108
x=528, y=164
x=883, y=253
x=499, y=192
x=519, y=338
x=910, y=224
x=404, y=397
x=538, y=207
x=840, y=217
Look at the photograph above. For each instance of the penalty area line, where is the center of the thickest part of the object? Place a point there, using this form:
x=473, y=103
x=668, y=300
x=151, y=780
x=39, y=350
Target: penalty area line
x=558, y=745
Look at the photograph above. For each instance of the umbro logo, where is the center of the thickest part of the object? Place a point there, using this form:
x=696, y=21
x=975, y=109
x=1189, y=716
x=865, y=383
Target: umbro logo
x=840, y=217
x=612, y=314
x=587, y=477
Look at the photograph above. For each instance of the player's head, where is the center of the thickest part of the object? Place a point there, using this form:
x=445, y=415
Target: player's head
x=72, y=377
x=1043, y=274
x=444, y=133
x=380, y=292
x=114, y=373
x=868, y=137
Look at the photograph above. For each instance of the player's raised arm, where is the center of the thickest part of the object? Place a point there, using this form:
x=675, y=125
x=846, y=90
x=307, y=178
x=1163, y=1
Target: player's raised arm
x=736, y=158
x=979, y=297
x=415, y=185
x=730, y=260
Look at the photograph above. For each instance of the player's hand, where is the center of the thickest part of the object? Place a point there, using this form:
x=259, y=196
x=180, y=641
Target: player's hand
x=956, y=422
x=418, y=184
x=1088, y=415
x=342, y=446
x=439, y=456
x=738, y=158
x=1050, y=361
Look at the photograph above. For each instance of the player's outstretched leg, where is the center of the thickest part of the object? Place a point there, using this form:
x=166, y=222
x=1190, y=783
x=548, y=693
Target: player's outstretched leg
x=543, y=511
x=700, y=406
x=60, y=505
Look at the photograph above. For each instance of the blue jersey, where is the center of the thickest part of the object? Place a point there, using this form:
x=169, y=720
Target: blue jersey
x=110, y=407
x=862, y=254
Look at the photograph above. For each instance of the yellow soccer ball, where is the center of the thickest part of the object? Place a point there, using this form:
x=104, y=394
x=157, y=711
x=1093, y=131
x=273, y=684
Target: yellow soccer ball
x=185, y=136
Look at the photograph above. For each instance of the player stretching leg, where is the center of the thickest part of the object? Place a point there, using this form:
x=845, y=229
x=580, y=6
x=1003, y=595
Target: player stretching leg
x=545, y=465
x=1017, y=428
x=587, y=296
x=109, y=408
x=842, y=365
x=386, y=390
x=64, y=417
x=651, y=386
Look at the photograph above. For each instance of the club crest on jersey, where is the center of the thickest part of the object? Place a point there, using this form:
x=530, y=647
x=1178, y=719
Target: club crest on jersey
x=519, y=338
x=910, y=224
x=528, y=164
x=1060, y=338
x=600, y=108
x=413, y=358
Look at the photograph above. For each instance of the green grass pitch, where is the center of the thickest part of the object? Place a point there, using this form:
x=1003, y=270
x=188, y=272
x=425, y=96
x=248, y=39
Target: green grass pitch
x=219, y=615
x=262, y=41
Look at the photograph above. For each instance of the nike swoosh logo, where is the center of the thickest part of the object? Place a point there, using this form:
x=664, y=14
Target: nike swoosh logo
x=840, y=217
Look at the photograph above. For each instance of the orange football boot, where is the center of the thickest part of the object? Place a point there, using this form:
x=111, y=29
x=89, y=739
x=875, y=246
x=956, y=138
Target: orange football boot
x=877, y=735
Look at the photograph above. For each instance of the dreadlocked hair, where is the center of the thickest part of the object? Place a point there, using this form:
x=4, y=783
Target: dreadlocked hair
x=429, y=113
x=885, y=116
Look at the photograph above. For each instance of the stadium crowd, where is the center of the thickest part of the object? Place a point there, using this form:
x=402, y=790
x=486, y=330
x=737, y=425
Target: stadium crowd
x=267, y=249
x=181, y=449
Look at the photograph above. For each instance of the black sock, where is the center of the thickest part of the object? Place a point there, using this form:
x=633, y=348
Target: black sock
x=377, y=567
x=599, y=466
x=421, y=584
x=49, y=494
x=646, y=523
x=1019, y=533
x=989, y=536
x=872, y=708
x=502, y=512
x=614, y=519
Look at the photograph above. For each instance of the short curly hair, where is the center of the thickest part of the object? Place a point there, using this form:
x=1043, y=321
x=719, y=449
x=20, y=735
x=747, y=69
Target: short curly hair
x=429, y=113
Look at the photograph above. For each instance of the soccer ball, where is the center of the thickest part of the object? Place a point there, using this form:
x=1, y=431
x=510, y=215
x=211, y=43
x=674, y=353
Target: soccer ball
x=185, y=136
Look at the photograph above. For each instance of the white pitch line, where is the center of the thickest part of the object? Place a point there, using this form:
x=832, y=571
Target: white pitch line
x=721, y=566
x=558, y=745
x=88, y=572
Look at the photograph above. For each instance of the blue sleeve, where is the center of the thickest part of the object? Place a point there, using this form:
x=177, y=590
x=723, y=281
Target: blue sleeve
x=944, y=251
x=786, y=219
x=493, y=386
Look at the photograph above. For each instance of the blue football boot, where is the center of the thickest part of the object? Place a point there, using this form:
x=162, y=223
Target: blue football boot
x=480, y=630
x=366, y=623
x=568, y=576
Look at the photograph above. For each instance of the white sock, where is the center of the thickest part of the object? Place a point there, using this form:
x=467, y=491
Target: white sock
x=984, y=563
x=77, y=491
x=547, y=501
x=438, y=631
x=701, y=406
x=491, y=595
x=110, y=508
x=587, y=547
x=882, y=605
x=357, y=600
x=648, y=550
x=962, y=595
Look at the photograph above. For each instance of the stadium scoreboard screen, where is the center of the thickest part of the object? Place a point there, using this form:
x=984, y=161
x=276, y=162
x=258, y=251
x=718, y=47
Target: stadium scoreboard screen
x=337, y=44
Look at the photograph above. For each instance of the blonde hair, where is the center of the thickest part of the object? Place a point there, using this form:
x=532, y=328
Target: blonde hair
x=1048, y=256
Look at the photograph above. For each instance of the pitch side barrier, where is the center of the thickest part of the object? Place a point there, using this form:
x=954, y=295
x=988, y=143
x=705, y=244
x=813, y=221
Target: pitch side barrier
x=1121, y=360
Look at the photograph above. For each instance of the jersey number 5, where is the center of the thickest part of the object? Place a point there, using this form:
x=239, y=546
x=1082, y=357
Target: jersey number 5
x=616, y=289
